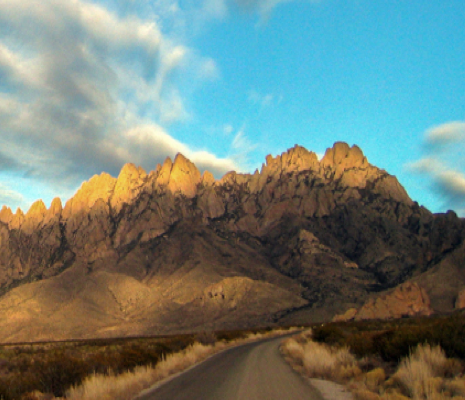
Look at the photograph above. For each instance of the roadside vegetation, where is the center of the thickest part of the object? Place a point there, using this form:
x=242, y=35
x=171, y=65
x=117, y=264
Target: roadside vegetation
x=417, y=358
x=106, y=368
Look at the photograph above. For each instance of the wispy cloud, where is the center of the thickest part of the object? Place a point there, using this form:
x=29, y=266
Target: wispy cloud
x=444, y=164
x=242, y=146
x=263, y=7
x=263, y=100
x=9, y=196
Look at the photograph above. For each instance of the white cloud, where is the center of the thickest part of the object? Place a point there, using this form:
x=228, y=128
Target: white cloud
x=453, y=182
x=450, y=132
x=444, y=164
x=146, y=143
x=82, y=86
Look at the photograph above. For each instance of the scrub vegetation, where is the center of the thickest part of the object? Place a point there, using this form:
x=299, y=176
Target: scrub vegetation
x=417, y=358
x=105, y=368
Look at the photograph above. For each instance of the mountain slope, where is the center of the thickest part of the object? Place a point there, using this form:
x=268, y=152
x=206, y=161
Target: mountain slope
x=175, y=250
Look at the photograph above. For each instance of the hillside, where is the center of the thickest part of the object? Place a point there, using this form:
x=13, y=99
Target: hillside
x=174, y=250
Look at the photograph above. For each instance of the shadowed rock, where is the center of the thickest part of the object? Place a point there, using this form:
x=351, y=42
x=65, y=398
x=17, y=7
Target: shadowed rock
x=176, y=250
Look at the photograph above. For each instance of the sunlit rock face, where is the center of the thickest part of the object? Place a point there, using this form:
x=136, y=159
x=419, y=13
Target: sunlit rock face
x=177, y=250
x=406, y=300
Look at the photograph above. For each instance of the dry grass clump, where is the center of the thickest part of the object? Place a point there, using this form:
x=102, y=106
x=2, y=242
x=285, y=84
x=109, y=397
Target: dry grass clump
x=320, y=360
x=125, y=386
x=426, y=374
x=420, y=374
x=44, y=371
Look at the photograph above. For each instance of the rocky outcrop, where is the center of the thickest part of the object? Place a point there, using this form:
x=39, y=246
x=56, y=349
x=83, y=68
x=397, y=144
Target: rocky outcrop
x=407, y=300
x=312, y=238
x=128, y=186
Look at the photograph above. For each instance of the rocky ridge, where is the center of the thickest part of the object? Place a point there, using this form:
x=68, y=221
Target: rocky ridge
x=324, y=235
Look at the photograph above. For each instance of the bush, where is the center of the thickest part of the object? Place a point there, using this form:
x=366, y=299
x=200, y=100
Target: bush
x=329, y=334
x=206, y=337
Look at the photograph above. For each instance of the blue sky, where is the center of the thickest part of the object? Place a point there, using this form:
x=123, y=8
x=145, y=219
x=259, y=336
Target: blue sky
x=87, y=86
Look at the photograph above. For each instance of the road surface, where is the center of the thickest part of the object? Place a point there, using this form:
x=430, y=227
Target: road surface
x=255, y=371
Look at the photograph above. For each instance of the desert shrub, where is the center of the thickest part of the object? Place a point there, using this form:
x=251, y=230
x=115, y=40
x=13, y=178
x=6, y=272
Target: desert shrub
x=421, y=374
x=456, y=387
x=292, y=348
x=322, y=361
x=58, y=372
x=449, y=333
x=229, y=336
x=363, y=343
x=13, y=386
x=329, y=334
x=54, y=367
x=206, y=337
x=393, y=395
x=365, y=394
x=375, y=378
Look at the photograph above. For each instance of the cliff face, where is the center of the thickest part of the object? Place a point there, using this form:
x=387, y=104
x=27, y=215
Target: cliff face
x=176, y=250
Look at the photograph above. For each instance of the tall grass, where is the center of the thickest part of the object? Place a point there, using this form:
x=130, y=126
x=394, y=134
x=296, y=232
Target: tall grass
x=39, y=371
x=320, y=360
x=127, y=385
x=425, y=374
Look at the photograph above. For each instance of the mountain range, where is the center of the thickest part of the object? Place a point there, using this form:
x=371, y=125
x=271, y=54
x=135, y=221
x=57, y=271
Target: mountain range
x=173, y=250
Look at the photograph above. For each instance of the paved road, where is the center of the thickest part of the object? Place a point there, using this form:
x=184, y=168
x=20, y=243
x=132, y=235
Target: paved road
x=255, y=371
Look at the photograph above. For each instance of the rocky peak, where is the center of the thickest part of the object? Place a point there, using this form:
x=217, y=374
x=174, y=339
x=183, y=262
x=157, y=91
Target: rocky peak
x=207, y=178
x=37, y=209
x=98, y=187
x=184, y=176
x=17, y=219
x=343, y=155
x=128, y=186
x=297, y=158
x=56, y=207
x=34, y=216
x=6, y=214
x=164, y=172
x=55, y=210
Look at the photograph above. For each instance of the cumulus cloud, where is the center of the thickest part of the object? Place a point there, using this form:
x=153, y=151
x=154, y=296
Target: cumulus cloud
x=150, y=143
x=85, y=88
x=444, y=164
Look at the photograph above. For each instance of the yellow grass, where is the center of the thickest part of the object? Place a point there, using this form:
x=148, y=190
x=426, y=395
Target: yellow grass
x=128, y=385
x=320, y=360
x=427, y=374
